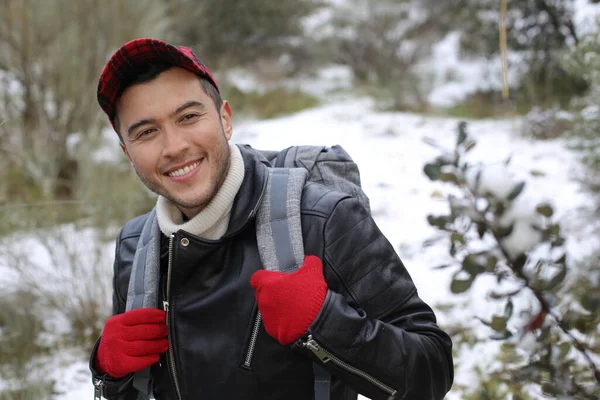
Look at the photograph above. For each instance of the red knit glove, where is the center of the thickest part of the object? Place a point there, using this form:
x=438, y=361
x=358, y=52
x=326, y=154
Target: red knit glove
x=132, y=341
x=289, y=303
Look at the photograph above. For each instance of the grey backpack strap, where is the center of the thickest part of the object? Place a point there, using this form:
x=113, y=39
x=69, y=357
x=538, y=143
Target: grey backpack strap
x=280, y=160
x=143, y=281
x=278, y=228
x=299, y=156
x=322, y=382
x=279, y=236
x=143, y=286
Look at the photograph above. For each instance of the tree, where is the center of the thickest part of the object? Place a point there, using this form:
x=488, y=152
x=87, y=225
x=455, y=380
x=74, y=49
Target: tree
x=384, y=43
x=538, y=34
x=51, y=54
x=231, y=33
x=585, y=61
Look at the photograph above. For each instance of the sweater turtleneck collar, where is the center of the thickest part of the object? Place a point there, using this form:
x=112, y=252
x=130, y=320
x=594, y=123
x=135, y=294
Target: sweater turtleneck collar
x=213, y=220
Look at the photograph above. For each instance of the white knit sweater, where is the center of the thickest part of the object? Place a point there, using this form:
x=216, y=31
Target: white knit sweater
x=213, y=220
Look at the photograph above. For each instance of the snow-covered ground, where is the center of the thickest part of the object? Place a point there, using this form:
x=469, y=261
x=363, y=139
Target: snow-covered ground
x=390, y=152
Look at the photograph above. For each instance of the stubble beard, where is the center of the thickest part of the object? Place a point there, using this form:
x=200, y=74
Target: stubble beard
x=222, y=161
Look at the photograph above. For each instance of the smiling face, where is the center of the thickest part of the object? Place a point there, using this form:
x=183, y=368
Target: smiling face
x=175, y=138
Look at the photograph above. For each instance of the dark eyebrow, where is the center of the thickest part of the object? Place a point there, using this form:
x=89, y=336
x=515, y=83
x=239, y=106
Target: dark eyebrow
x=137, y=125
x=192, y=103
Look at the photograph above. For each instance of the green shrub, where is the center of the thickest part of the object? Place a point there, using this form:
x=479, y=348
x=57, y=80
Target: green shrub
x=547, y=303
x=20, y=348
x=484, y=104
x=268, y=104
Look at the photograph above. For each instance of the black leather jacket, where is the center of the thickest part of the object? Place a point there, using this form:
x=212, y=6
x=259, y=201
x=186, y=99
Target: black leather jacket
x=383, y=339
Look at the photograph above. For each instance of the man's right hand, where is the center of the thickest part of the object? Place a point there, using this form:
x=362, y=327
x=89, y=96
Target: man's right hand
x=132, y=341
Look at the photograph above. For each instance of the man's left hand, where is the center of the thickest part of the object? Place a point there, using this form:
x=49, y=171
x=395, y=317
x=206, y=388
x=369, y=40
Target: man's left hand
x=289, y=303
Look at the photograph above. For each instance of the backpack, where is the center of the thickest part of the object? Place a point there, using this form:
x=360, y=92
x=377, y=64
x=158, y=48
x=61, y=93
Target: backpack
x=278, y=229
x=279, y=232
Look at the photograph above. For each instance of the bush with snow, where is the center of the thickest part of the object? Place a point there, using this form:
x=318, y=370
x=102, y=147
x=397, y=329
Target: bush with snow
x=548, y=325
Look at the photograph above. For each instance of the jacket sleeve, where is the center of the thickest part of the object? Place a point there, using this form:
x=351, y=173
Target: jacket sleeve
x=113, y=389
x=373, y=320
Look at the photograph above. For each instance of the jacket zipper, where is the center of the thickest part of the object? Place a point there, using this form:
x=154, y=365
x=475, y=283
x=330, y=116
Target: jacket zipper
x=98, y=389
x=257, y=321
x=263, y=190
x=253, y=338
x=325, y=357
x=170, y=354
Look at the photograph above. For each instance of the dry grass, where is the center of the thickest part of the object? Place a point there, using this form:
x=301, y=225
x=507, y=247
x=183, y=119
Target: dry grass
x=21, y=348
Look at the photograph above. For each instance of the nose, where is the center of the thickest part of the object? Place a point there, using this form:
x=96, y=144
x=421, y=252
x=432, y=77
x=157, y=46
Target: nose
x=174, y=142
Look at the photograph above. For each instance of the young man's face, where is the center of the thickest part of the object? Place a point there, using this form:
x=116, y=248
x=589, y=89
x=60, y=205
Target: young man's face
x=175, y=138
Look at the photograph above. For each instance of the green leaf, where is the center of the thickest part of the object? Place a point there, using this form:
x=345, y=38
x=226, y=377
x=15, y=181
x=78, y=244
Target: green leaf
x=557, y=279
x=448, y=177
x=591, y=302
x=477, y=180
x=471, y=265
x=470, y=145
x=519, y=262
x=437, y=221
x=444, y=160
x=505, y=231
x=554, y=229
x=499, y=209
x=498, y=323
x=458, y=237
x=562, y=260
x=508, y=310
x=498, y=295
x=545, y=209
x=481, y=229
x=584, y=323
x=462, y=133
x=432, y=171
x=452, y=249
x=516, y=191
x=537, y=173
x=460, y=285
x=563, y=350
x=501, y=335
x=492, y=260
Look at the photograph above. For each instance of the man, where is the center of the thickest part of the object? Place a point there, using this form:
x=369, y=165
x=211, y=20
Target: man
x=213, y=323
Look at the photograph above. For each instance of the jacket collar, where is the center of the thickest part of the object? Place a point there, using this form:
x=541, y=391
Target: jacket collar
x=251, y=192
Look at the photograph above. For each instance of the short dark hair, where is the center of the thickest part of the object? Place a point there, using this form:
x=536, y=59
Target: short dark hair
x=150, y=72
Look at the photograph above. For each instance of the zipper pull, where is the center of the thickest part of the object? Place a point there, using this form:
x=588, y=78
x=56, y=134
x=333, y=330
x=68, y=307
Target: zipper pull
x=98, y=389
x=166, y=309
x=313, y=346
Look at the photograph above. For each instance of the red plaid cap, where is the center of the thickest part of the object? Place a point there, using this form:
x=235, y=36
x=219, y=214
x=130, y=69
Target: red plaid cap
x=128, y=60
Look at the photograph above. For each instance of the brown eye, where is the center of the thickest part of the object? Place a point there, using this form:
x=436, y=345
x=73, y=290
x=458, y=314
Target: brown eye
x=189, y=117
x=145, y=133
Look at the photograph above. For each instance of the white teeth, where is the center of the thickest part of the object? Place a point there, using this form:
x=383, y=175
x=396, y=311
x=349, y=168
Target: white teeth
x=184, y=170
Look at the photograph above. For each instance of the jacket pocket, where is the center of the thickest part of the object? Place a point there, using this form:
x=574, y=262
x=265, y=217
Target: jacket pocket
x=327, y=357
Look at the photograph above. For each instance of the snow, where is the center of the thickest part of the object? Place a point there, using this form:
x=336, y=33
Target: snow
x=455, y=77
x=586, y=16
x=390, y=151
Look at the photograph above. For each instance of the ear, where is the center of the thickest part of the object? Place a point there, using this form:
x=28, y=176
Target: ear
x=126, y=152
x=226, y=119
